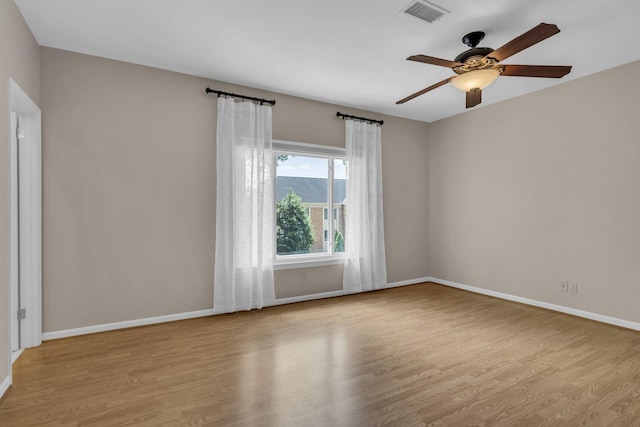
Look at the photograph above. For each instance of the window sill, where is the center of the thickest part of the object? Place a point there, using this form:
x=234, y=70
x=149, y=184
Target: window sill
x=291, y=264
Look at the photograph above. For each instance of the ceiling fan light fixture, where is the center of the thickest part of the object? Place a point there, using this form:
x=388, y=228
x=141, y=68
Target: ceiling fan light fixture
x=472, y=81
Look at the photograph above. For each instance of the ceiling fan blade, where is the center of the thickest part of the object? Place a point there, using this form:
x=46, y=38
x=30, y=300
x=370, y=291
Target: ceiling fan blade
x=474, y=98
x=520, y=43
x=550, y=71
x=434, y=61
x=423, y=91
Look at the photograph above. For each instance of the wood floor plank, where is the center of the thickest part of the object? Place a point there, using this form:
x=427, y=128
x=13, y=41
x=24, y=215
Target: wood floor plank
x=412, y=356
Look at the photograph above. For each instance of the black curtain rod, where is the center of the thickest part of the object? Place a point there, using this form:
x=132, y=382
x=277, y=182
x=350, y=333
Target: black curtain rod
x=235, y=95
x=347, y=116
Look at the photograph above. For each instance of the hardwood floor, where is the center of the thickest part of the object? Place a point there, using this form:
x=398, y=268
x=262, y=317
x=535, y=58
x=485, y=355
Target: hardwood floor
x=411, y=356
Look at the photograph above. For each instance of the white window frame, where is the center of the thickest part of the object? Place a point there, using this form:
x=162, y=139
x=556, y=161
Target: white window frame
x=283, y=262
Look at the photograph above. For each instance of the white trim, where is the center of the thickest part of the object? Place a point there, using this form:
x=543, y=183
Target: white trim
x=568, y=310
x=304, y=148
x=31, y=290
x=31, y=220
x=290, y=263
x=4, y=385
x=125, y=324
x=407, y=282
x=309, y=297
x=203, y=313
x=14, y=284
x=15, y=355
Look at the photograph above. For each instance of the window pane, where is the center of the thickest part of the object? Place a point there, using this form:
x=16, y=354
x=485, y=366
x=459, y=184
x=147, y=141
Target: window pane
x=301, y=192
x=339, y=203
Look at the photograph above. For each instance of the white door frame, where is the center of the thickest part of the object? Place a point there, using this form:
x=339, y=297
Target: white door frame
x=30, y=217
x=14, y=249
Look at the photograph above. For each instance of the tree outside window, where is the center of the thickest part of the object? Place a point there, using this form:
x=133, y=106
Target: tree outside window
x=294, y=234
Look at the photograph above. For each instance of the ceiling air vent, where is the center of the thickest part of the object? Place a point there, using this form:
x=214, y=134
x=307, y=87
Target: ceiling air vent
x=424, y=11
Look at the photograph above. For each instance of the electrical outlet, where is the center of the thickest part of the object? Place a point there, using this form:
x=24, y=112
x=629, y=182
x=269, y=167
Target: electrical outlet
x=564, y=287
x=573, y=288
x=303, y=279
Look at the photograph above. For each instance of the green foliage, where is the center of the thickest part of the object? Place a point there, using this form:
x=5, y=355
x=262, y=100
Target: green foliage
x=294, y=233
x=338, y=241
x=281, y=158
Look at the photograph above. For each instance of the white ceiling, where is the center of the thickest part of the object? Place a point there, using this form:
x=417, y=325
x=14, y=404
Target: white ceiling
x=348, y=52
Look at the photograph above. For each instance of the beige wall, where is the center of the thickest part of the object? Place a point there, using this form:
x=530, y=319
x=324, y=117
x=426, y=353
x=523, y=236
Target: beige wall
x=314, y=280
x=129, y=190
x=542, y=189
x=18, y=60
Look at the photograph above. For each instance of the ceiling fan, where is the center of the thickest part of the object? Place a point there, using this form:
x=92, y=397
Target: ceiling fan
x=478, y=67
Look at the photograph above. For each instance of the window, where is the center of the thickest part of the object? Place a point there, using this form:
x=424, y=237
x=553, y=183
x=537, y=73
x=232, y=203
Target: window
x=310, y=183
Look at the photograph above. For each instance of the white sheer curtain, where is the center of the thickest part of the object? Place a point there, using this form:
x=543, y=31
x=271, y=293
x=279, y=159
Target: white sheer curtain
x=243, y=276
x=364, y=267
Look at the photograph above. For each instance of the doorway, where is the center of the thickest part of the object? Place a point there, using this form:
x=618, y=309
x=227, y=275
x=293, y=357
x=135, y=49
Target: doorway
x=25, y=219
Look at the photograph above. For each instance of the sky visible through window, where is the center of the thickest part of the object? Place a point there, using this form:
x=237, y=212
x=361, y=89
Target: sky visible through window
x=310, y=167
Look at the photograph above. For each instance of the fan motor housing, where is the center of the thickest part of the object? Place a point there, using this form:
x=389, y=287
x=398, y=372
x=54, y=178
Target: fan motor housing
x=474, y=51
x=474, y=59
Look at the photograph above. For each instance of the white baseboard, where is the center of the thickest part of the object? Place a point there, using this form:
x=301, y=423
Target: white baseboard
x=311, y=297
x=4, y=386
x=15, y=355
x=126, y=324
x=202, y=313
x=407, y=282
x=568, y=310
